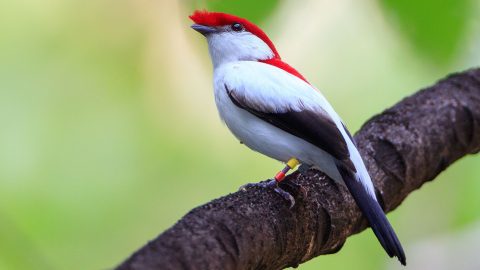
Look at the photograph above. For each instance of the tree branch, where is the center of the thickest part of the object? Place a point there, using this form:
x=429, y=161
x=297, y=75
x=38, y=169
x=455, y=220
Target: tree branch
x=403, y=147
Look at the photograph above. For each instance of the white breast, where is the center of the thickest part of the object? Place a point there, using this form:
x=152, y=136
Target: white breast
x=262, y=136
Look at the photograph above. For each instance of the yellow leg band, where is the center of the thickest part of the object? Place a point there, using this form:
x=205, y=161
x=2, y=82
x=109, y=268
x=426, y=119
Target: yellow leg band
x=292, y=163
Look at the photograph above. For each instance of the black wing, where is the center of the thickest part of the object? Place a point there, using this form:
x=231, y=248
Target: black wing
x=315, y=127
x=375, y=216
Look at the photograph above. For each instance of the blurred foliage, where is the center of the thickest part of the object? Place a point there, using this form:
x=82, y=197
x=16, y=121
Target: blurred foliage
x=436, y=28
x=103, y=144
x=256, y=11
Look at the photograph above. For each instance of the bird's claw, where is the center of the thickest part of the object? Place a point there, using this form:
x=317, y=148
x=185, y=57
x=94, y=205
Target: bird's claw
x=286, y=196
x=303, y=168
x=250, y=185
x=272, y=184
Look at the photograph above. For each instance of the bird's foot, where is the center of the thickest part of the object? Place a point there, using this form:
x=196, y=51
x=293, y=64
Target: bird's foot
x=272, y=184
x=303, y=168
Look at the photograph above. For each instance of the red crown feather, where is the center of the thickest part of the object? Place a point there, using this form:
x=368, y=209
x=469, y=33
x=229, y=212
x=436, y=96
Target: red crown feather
x=204, y=17
x=207, y=18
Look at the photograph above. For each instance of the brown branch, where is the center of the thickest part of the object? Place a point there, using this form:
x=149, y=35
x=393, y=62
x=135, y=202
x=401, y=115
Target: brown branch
x=403, y=147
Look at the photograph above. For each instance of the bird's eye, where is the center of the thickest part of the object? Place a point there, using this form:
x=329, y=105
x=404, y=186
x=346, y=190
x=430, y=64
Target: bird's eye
x=237, y=27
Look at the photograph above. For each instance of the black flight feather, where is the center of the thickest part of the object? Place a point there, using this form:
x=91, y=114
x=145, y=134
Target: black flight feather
x=315, y=127
x=374, y=214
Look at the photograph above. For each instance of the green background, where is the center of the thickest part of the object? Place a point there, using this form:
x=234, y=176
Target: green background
x=109, y=132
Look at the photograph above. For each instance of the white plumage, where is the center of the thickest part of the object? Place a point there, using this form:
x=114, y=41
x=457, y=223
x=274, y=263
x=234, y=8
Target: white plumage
x=270, y=108
x=278, y=91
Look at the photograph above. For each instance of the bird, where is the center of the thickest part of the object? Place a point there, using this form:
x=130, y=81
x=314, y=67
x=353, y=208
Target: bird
x=272, y=109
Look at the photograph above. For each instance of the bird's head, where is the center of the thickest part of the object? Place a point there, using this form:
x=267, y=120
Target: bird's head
x=231, y=38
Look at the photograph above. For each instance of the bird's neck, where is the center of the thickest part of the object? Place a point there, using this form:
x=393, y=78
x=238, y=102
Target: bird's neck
x=224, y=52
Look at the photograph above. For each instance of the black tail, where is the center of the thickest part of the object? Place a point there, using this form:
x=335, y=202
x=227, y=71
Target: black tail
x=375, y=216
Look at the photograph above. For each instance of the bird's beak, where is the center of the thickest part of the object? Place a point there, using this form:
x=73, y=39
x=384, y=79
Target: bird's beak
x=203, y=29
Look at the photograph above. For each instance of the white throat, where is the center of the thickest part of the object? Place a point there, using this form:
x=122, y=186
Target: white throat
x=226, y=47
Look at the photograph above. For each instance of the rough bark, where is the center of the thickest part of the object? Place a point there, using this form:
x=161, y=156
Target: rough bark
x=403, y=147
